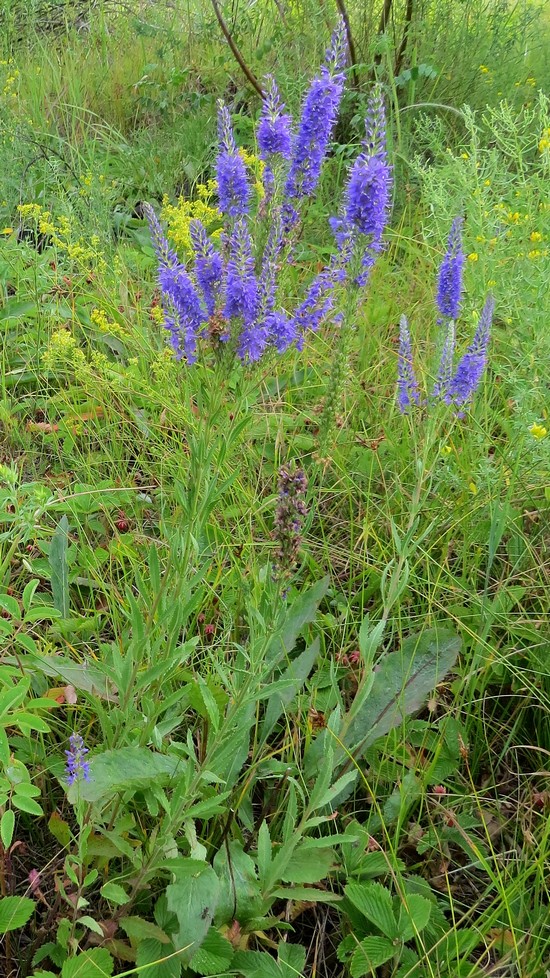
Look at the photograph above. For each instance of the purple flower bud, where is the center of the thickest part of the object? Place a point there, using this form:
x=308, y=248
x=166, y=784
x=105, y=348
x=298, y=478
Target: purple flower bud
x=274, y=128
x=445, y=369
x=208, y=265
x=77, y=768
x=233, y=188
x=449, y=287
x=165, y=254
x=470, y=368
x=289, y=516
x=407, y=387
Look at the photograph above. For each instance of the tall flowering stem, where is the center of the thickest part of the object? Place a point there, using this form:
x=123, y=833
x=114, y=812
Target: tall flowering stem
x=471, y=367
x=449, y=284
x=407, y=386
x=319, y=114
x=233, y=187
x=290, y=514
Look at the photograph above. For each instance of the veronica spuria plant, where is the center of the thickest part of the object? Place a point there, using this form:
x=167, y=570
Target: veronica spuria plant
x=225, y=306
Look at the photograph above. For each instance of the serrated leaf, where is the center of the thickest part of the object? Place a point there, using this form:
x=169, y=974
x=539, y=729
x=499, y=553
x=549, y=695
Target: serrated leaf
x=138, y=928
x=114, y=893
x=291, y=959
x=240, y=895
x=414, y=916
x=153, y=960
x=193, y=898
x=309, y=864
x=15, y=911
x=96, y=963
x=125, y=769
x=374, y=901
x=59, y=567
x=213, y=956
x=369, y=955
x=256, y=964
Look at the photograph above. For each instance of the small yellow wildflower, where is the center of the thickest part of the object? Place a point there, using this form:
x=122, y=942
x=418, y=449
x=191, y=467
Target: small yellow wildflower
x=446, y=450
x=6, y=231
x=473, y=488
x=538, y=431
x=491, y=283
x=484, y=69
x=473, y=256
x=464, y=156
x=531, y=81
x=534, y=254
x=535, y=236
x=486, y=183
x=480, y=238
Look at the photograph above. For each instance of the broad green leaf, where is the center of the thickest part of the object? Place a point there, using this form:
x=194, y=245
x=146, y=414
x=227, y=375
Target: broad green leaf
x=11, y=605
x=371, y=953
x=138, y=928
x=28, y=592
x=295, y=675
x=309, y=865
x=128, y=768
x=400, y=687
x=414, y=916
x=240, y=895
x=374, y=901
x=114, y=893
x=256, y=964
x=193, y=898
x=17, y=309
x=96, y=963
x=26, y=805
x=291, y=959
x=59, y=567
x=15, y=911
x=155, y=960
x=213, y=956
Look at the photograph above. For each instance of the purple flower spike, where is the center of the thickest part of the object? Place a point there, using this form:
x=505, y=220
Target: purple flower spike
x=449, y=286
x=77, y=768
x=407, y=387
x=319, y=114
x=208, y=265
x=274, y=128
x=317, y=304
x=186, y=317
x=233, y=188
x=165, y=254
x=470, y=368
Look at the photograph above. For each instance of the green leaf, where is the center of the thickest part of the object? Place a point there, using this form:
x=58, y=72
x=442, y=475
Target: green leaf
x=309, y=865
x=302, y=611
x=7, y=825
x=41, y=613
x=28, y=592
x=295, y=675
x=91, y=924
x=96, y=963
x=11, y=605
x=374, y=901
x=213, y=956
x=26, y=804
x=240, y=895
x=291, y=959
x=400, y=687
x=17, y=309
x=125, y=769
x=371, y=953
x=138, y=928
x=256, y=964
x=114, y=893
x=15, y=911
x=59, y=567
x=193, y=899
x=154, y=960
x=414, y=916
x=310, y=893
x=264, y=851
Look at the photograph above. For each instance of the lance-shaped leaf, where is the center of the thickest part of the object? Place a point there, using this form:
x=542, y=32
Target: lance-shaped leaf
x=401, y=685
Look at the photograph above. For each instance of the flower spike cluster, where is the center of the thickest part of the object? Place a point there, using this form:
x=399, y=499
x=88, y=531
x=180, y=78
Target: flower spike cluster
x=229, y=291
x=77, y=768
x=453, y=385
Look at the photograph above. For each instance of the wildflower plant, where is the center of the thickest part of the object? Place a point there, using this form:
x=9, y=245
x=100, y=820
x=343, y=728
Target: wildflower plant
x=229, y=291
x=454, y=384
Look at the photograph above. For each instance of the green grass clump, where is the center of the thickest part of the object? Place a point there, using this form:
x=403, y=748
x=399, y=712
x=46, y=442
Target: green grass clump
x=338, y=767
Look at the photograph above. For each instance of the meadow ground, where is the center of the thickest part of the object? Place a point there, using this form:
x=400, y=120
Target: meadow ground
x=275, y=686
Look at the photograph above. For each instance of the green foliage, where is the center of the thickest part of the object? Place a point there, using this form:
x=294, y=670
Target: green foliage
x=365, y=753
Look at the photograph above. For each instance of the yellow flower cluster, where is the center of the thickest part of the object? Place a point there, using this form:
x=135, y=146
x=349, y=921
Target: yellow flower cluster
x=60, y=232
x=257, y=168
x=178, y=216
x=544, y=144
x=63, y=350
x=11, y=80
x=105, y=325
x=538, y=431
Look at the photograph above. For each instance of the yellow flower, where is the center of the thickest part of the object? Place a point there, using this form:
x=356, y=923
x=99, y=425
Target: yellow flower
x=538, y=431
x=486, y=183
x=492, y=282
x=464, y=156
x=473, y=256
x=484, y=69
x=446, y=450
x=533, y=255
x=473, y=488
x=535, y=236
x=6, y=231
x=544, y=144
x=531, y=81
